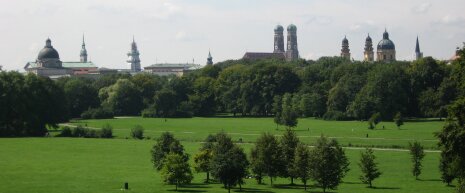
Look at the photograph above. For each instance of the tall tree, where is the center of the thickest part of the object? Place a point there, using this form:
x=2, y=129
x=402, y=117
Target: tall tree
x=229, y=163
x=123, y=98
x=164, y=145
x=451, y=140
x=269, y=154
x=289, y=142
x=301, y=164
x=176, y=170
x=417, y=153
x=398, y=119
x=445, y=167
x=328, y=163
x=369, y=167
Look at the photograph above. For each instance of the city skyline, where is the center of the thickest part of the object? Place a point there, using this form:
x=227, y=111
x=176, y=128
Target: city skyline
x=180, y=31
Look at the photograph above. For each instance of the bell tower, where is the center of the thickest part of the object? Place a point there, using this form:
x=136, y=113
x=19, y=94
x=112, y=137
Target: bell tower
x=369, y=55
x=133, y=57
x=83, y=56
x=292, y=53
x=345, y=51
x=278, y=39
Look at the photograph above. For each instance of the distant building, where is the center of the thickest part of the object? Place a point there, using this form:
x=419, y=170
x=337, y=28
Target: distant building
x=418, y=53
x=209, y=59
x=164, y=69
x=83, y=55
x=345, y=51
x=292, y=52
x=48, y=64
x=386, y=51
x=133, y=57
x=368, y=53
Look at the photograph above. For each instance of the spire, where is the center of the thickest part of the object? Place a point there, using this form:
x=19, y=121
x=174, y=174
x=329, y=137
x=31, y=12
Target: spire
x=48, y=43
x=418, y=53
x=417, y=47
x=209, y=59
x=83, y=55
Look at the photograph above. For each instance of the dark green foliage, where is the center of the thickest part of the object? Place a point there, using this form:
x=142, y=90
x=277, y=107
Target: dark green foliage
x=137, y=132
x=374, y=120
x=66, y=132
x=398, y=119
x=80, y=95
x=203, y=159
x=417, y=153
x=451, y=140
x=445, y=166
x=301, y=164
x=328, y=164
x=229, y=162
x=123, y=98
x=97, y=113
x=28, y=104
x=106, y=131
x=268, y=158
x=369, y=167
x=335, y=116
x=176, y=170
x=289, y=143
x=286, y=110
x=164, y=145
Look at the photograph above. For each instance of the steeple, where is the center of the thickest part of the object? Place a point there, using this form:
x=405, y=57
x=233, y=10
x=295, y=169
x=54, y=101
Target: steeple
x=83, y=55
x=345, y=51
x=133, y=57
x=418, y=53
x=209, y=59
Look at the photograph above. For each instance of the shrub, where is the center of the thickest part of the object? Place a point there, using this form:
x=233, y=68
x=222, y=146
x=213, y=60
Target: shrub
x=91, y=133
x=66, y=132
x=97, y=113
x=137, y=132
x=149, y=112
x=78, y=131
x=106, y=132
x=335, y=116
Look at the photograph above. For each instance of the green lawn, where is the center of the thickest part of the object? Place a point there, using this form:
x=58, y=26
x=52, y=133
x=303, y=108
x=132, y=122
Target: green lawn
x=57, y=165
x=348, y=133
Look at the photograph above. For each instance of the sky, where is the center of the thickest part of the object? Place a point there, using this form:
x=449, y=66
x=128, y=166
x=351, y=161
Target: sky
x=181, y=31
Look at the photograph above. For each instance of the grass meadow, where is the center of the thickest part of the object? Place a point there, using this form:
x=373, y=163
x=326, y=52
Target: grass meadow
x=57, y=165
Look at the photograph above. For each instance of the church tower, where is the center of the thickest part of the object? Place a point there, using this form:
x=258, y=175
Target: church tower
x=292, y=53
x=418, y=53
x=83, y=55
x=278, y=39
x=133, y=57
x=345, y=51
x=368, y=54
x=209, y=59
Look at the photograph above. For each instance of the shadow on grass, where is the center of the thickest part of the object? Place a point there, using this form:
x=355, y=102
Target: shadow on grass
x=290, y=186
x=352, y=183
x=430, y=180
x=385, y=188
x=186, y=190
x=252, y=190
x=195, y=185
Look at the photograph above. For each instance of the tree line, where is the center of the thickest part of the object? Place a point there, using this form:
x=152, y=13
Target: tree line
x=226, y=162
x=331, y=88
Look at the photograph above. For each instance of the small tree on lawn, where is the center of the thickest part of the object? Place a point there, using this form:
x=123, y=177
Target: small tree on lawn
x=369, y=167
x=166, y=144
x=256, y=165
x=137, y=132
x=301, y=164
x=202, y=161
x=269, y=155
x=417, y=153
x=289, y=142
x=176, y=170
x=328, y=164
x=398, y=119
x=445, y=166
x=374, y=120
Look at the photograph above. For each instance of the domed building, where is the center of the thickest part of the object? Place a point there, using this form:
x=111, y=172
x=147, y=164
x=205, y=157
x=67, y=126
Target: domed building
x=386, y=51
x=48, y=63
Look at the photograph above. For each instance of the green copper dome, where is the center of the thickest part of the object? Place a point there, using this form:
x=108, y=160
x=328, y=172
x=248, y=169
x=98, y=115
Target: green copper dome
x=386, y=43
x=292, y=27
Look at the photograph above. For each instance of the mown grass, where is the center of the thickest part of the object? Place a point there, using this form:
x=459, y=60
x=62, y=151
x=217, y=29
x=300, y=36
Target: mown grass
x=348, y=133
x=57, y=165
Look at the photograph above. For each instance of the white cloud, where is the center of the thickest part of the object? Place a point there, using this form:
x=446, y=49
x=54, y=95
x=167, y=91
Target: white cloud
x=422, y=8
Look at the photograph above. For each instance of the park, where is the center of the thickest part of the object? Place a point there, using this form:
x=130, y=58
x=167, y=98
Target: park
x=54, y=164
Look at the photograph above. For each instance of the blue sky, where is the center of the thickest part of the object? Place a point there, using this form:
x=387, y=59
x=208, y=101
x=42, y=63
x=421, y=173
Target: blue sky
x=183, y=30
